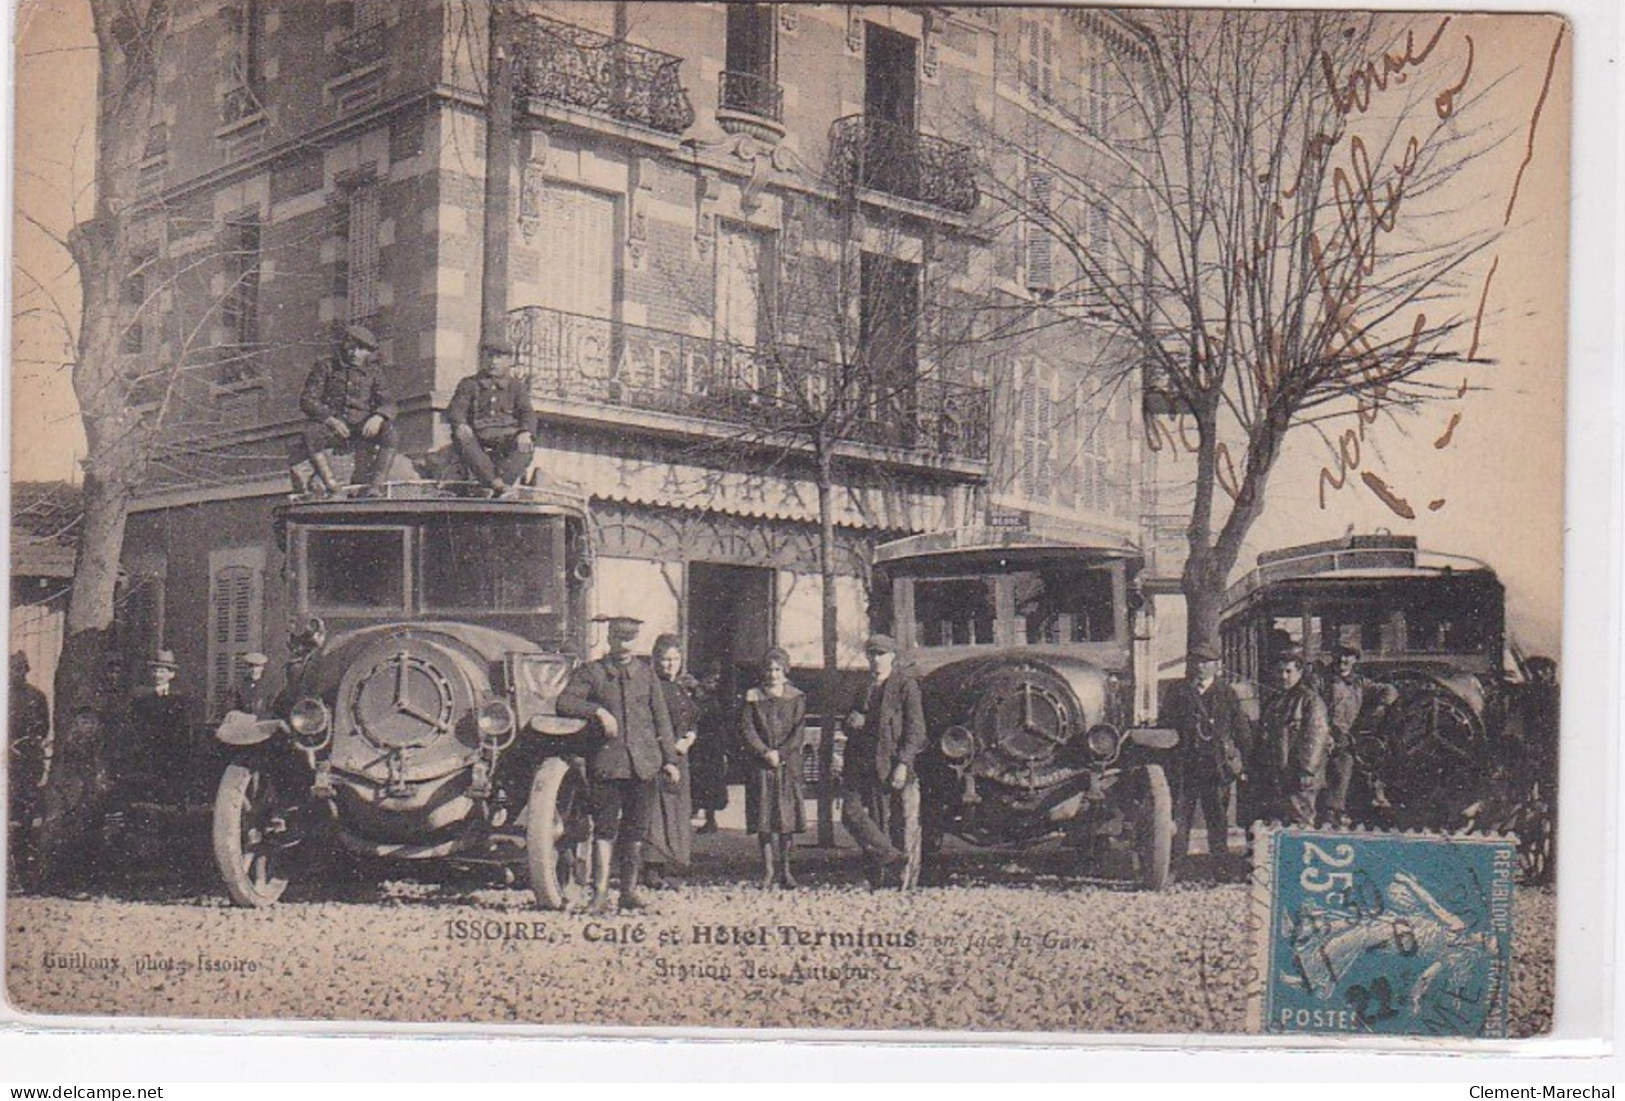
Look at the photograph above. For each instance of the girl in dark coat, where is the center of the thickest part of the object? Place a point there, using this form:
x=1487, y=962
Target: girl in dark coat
x=671, y=828
x=708, y=760
x=774, y=730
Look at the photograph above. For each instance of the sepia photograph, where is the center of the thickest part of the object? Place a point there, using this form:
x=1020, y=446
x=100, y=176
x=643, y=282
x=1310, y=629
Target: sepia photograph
x=838, y=518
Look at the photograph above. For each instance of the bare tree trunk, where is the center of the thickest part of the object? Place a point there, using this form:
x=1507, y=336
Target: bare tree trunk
x=129, y=40
x=831, y=632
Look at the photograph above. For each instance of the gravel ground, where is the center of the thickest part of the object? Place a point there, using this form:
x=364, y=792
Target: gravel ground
x=1010, y=944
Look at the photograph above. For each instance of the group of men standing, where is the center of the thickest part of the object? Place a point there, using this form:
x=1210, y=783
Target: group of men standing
x=1295, y=767
x=350, y=409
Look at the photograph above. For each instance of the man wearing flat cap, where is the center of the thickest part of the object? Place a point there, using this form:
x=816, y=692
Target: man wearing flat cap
x=623, y=700
x=885, y=732
x=1353, y=702
x=492, y=422
x=347, y=402
x=1213, y=736
x=1288, y=769
x=248, y=694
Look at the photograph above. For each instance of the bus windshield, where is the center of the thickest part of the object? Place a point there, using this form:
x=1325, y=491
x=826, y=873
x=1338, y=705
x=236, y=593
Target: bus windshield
x=492, y=564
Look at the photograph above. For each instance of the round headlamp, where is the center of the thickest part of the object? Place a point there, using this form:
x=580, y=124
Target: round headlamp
x=309, y=720
x=957, y=743
x=496, y=719
x=1103, y=740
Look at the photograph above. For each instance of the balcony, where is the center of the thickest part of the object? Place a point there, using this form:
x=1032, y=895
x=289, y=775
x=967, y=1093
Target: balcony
x=748, y=103
x=882, y=156
x=572, y=358
x=359, y=50
x=557, y=63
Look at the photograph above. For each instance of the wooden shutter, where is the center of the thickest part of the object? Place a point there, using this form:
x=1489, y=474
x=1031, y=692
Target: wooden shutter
x=361, y=252
x=1040, y=244
x=236, y=598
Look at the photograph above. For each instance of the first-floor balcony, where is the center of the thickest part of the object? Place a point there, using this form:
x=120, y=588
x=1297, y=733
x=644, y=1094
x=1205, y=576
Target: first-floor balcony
x=750, y=394
x=559, y=63
x=883, y=156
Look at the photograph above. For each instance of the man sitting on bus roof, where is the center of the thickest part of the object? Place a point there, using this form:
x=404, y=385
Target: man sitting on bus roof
x=347, y=403
x=492, y=422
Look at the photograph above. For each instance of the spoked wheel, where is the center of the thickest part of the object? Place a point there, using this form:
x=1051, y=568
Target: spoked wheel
x=556, y=829
x=254, y=844
x=1154, y=840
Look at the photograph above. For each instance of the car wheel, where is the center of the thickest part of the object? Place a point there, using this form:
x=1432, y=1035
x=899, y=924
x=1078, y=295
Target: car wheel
x=253, y=845
x=555, y=828
x=1154, y=845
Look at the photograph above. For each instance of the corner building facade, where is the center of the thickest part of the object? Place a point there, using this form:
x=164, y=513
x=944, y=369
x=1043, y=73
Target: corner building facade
x=700, y=194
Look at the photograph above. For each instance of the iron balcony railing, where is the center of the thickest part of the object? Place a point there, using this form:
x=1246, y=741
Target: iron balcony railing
x=569, y=65
x=751, y=94
x=572, y=357
x=883, y=156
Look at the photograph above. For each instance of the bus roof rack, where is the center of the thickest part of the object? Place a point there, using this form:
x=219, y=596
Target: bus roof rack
x=437, y=490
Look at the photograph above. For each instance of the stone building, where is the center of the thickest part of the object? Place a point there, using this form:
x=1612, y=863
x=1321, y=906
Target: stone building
x=718, y=214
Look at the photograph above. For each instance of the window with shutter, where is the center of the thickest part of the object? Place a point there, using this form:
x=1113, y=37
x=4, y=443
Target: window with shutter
x=361, y=251
x=579, y=251
x=235, y=601
x=1038, y=59
x=1040, y=243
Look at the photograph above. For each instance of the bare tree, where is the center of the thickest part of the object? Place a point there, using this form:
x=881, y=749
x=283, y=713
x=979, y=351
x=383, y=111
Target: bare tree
x=1260, y=212
x=161, y=334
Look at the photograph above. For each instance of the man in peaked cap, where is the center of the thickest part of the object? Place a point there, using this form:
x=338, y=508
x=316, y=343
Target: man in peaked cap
x=885, y=732
x=1214, y=735
x=28, y=756
x=1353, y=701
x=620, y=695
x=347, y=403
x=492, y=422
x=1289, y=766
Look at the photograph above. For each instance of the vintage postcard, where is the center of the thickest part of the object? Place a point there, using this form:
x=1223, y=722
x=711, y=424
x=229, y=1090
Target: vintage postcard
x=987, y=520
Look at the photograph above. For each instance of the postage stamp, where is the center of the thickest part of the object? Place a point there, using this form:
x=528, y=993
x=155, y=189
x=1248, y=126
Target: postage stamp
x=1388, y=934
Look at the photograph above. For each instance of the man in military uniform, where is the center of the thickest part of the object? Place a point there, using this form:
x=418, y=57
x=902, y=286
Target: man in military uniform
x=884, y=734
x=1349, y=693
x=621, y=695
x=29, y=742
x=492, y=422
x=1289, y=764
x=347, y=402
x=1213, y=736
x=156, y=761
x=248, y=694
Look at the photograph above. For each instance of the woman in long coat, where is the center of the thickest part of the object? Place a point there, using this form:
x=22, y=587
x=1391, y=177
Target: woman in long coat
x=671, y=828
x=773, y=725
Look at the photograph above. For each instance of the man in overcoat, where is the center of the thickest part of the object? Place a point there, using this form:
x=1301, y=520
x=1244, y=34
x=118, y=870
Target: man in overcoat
x=1350, y=694
x=1214, y=735
x=27, y=755
x=347, y=405
x=1289, y=765
x=620, y=694
x=157, y=760
x=884, y=734
x=492, y=422
x=249, y=693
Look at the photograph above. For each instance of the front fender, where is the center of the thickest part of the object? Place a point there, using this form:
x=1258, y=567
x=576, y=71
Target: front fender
x=1152, y=737
x=239, y=728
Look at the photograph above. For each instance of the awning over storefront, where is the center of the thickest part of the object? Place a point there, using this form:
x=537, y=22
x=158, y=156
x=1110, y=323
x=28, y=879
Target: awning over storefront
x=670, y=484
